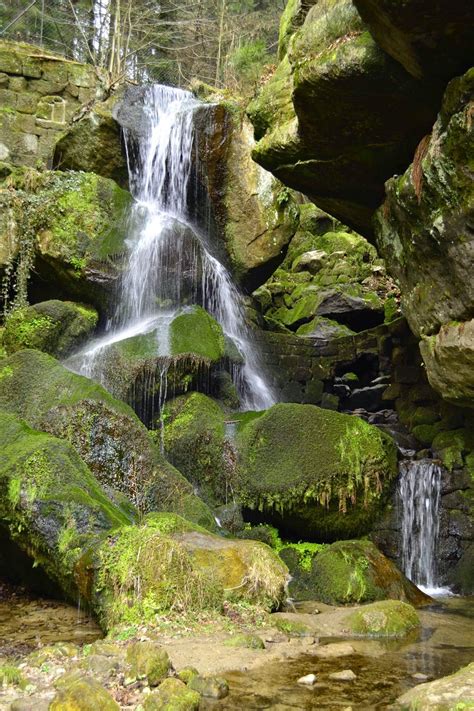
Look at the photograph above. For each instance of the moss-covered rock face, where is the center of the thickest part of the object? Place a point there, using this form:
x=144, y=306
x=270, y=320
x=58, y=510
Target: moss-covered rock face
x=181, y=568
x=194, y=440
x=333, y=69
x=105, y=432
x=350, y=572
x=93, y=144
x=173, y=695
x=390, y=618
x=51, y=506
x=424, y=231
x=70, y=226
x=330, y=284
x=419, y=35
x=197, y=333
x=255, y=214
x=318, y=474
x=454, y=692
x=55, y=327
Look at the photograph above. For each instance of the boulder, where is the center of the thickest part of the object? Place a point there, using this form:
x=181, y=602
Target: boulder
x=419, y=34
x=316, y=474
x=93, y=145
x=253, y=212
x=182, y=568
x=73, y=231
x=51, y=506
x=172, y=694
x=339, y=116
x=349, y=572
x=104, y=431
x=449, y=361
x=83, y=694
x=390, y=618
x=55, y=327
x=455, y=691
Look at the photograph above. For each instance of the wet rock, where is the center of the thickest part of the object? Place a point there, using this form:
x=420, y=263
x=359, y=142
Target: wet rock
x=344, y=675
x=369, y=398
x=212, y=687
x=187, y=673
x=454, y=691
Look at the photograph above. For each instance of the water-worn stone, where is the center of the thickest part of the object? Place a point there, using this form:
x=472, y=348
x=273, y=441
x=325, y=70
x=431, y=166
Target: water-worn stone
x=315, y=473
x=455, y=691
x=344, y=675
x=308, y=679
x=210, y=686
x=390, y=618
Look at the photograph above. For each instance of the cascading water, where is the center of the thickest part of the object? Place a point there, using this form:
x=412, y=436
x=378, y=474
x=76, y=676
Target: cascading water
x=420, y=496
x=170, y=264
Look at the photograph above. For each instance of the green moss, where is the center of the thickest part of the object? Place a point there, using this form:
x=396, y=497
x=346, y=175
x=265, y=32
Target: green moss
x=55, y=327
x=390, y=618
x=148, y=661
x=172, y=695
x=194, y=439
x=195, y=331
x=83, y=694
x=249, y=641
x=322, y=472
x=291, y=628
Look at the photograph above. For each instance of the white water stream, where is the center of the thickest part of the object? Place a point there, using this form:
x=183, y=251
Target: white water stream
x=170, y=265
x=420, y=496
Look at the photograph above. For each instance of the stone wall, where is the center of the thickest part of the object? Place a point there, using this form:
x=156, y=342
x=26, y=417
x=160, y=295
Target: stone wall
x=40, y=94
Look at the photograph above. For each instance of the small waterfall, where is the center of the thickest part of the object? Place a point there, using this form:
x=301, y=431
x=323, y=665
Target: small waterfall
x=170, y=263
x=420, y=496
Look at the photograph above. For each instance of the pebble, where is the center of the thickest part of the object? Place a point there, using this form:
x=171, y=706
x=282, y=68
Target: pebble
x=419, y=676
x=308, y=680
x=344, y=675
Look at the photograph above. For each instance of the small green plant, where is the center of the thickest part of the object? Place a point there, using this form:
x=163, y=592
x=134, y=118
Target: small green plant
x=11, y=675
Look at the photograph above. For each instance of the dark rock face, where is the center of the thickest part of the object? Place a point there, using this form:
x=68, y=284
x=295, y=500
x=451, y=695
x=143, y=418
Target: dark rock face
x=340, y=116
x=431, y=40
x=425, y=231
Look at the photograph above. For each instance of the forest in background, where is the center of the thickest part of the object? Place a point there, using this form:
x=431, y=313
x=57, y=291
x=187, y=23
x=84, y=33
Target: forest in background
x=225, y=43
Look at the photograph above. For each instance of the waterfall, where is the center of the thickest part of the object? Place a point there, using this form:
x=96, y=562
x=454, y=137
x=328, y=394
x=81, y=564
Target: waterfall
x=420, y=496
x=170, y=262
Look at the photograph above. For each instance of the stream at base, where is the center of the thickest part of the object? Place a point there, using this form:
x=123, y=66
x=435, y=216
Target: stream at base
x=384, y=668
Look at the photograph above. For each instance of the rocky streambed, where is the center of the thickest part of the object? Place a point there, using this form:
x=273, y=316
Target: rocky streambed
x=56, y=654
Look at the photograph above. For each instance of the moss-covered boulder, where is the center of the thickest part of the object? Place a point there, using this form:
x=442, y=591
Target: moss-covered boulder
x=94, y=145
x=195, y=331
x=390, y=618
x=454, y=692
x=55, y=327
x=51, y=506
x=195, y=443
x=317, y=474
x=330, y=284
x=182, y=568
x=350, y=572
x=419, y=34
x=172, y=695
x=104, y=431
x=72, y=228
x=253, y=212
x=83, y=694
x=148, y=660
x=339, y=116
